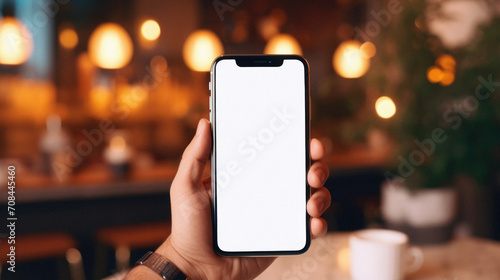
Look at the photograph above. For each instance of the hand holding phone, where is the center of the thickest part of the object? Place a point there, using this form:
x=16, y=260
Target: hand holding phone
x=190, y=245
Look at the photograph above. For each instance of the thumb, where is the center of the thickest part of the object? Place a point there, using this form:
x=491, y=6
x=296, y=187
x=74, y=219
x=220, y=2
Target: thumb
x=189, y=201
x=194, y=159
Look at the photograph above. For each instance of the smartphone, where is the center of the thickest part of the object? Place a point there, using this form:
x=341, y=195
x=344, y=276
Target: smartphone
x=259, y=112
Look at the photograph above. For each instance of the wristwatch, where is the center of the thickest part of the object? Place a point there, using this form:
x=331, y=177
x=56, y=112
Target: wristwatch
x=161, y=266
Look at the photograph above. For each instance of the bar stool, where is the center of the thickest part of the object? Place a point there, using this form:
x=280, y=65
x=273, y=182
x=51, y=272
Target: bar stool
x=32, y=247
x=123, y=239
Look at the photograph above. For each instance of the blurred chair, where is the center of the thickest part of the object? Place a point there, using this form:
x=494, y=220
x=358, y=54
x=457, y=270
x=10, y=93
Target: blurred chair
x=42, y=246
x=123, y=239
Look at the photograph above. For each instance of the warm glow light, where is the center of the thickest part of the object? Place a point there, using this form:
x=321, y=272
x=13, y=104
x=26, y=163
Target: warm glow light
x=117, y=143
x=385, y=107
x=132, y=97
x=344, y=259
x=159, y=64
x=268, y=28
x=100, y=99
x=418, y=23
x=150, y=30
x=73, y=256
x=118, y=151
x=448, y=78
x=68, y=38
x=16, y=42
x=349, y=61
x=434, y=74
x=283, y=44
x=444, y=70
x=110, y=46
x=447, y=62
x=28, y=100
x=368, y=49
x=200, y=49
x=182, y=106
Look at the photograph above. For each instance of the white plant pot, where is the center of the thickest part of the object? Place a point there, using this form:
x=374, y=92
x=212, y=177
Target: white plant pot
x=432, y=207
x=427, y=215
x=394, y=198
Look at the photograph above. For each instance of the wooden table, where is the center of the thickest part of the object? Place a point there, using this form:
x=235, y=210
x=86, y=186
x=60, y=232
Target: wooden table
x=328, y=258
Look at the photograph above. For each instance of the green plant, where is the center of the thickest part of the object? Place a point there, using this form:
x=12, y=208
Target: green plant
x=469, y=122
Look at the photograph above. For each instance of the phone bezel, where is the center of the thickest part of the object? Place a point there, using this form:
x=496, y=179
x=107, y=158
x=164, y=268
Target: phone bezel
x=258, y=61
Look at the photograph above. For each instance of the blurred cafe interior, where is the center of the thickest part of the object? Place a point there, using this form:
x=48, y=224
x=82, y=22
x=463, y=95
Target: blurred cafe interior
x=99, y=98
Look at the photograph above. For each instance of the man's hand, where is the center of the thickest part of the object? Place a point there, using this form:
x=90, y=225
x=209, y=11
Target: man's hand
x=190, y=246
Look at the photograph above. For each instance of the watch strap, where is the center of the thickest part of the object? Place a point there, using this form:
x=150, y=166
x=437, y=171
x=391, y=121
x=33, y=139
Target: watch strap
x=161, y=266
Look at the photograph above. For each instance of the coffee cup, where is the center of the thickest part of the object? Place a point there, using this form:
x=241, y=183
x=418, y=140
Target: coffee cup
x=380, y=254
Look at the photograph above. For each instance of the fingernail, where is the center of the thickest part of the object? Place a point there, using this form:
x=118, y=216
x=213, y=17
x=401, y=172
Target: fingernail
x=321, y=174
x=198, y=129
x=320, y=204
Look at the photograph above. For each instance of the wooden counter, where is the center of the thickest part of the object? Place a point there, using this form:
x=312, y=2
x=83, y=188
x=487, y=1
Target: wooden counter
x=93, y=182
x=328, y=258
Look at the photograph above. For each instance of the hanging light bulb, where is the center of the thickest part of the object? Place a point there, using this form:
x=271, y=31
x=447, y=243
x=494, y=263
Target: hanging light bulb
x=16, y=42
x=200, y=49
x=283, y=44
x=110, y=46
x=349, y=60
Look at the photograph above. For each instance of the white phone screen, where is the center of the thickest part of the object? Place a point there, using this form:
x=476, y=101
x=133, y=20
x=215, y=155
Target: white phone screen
x=260, y=157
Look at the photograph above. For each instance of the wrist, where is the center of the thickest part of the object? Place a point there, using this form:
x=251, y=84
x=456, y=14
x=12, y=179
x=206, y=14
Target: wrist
x=142, y=273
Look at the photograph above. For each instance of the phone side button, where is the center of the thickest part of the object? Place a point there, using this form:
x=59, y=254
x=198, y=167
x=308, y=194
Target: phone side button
x=210, y=86
x=210, y=103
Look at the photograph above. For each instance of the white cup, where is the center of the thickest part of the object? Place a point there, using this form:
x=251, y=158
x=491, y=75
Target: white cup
x=382, y=254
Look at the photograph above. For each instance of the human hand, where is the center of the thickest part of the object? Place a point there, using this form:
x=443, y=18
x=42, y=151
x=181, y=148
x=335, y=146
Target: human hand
x=190, y=245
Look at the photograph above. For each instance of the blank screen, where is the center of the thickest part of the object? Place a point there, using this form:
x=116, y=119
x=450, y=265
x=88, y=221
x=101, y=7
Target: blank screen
x=260, y=157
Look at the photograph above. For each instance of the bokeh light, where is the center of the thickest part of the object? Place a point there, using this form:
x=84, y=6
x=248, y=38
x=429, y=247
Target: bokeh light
x=100, y=98
x=448, y=78
x=159, y=64
x=368, y=49
x=73, y=256
x=283, y=44
x=434, y=74
x=118, y=142
x=133, y=96
x=443, y=72
x=150, y=30
x=349, y=61
x=110, y=46
x=200, y=49
x=344, y=259
x=68, y=38
x=447, y=62
x=16, y=42
x=385, y=107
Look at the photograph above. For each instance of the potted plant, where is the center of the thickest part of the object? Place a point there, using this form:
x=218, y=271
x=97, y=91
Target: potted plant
x=447, y=124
